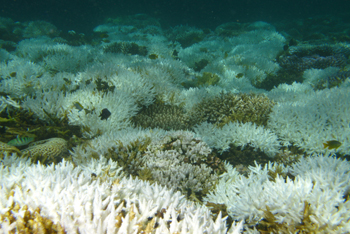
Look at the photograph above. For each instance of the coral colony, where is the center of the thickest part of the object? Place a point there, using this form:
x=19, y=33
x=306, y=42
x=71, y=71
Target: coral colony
x=137, y=129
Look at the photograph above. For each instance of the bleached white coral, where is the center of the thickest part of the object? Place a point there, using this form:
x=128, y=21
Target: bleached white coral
x=55, y=56
x=327, y=172
x=121, y=106
x=248, y=198
x=5, y=102
x=84, y=108
x=42, y=106
x=252, y=54
x=112, y=139
x=231, y=83
x=20, y=77
x=176, y=166
x=190, y=97
x=288, y=93
x=101, y=203
x=4, y=55
x=175, y=159
x=313, y=76
x=62, y=57
x=315, y=119
x=134, y=84
x=36, y=48
x=239, y=134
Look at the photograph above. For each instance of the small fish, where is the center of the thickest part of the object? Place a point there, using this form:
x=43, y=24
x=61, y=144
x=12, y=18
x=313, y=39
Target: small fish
x=78, y=106
x=333, y=144
x=105, y=113
x=153, y=56
x=20, y=141
x=239, y=75
x=104, y=35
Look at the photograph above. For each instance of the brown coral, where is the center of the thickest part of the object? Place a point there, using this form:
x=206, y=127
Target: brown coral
x=230, y=107
x=8, y=149
x=160, y=115
x=46, y=151
x=28, y=221
x=126, y=48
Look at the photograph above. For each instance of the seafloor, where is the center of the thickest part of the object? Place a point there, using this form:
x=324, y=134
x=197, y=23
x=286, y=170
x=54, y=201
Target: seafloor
x=135, y=128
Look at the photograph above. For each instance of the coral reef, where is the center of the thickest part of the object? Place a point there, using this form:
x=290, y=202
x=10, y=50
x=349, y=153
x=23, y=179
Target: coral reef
x=137, y=126
x=314, y=119
x=46, y=151
x=205, y=80
x=126, y=48
x=297, y=59
x=180, y=163
x=286, y=202
x=301, y=58
x=95, y=198
x=20, y=219
x=186, y=35
x=293, y=62
x=8, y=149
x=40, y=28
x=239, y=135
x=333, y=80
x=177, y=159
x=160, y=115
x=229, y=107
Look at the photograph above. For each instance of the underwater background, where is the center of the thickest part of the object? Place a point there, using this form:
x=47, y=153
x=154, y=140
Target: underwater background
x=174, y=116
x=82, y=16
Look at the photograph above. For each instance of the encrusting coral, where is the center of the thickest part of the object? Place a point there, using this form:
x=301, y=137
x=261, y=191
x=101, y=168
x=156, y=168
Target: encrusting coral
x=46, y=151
